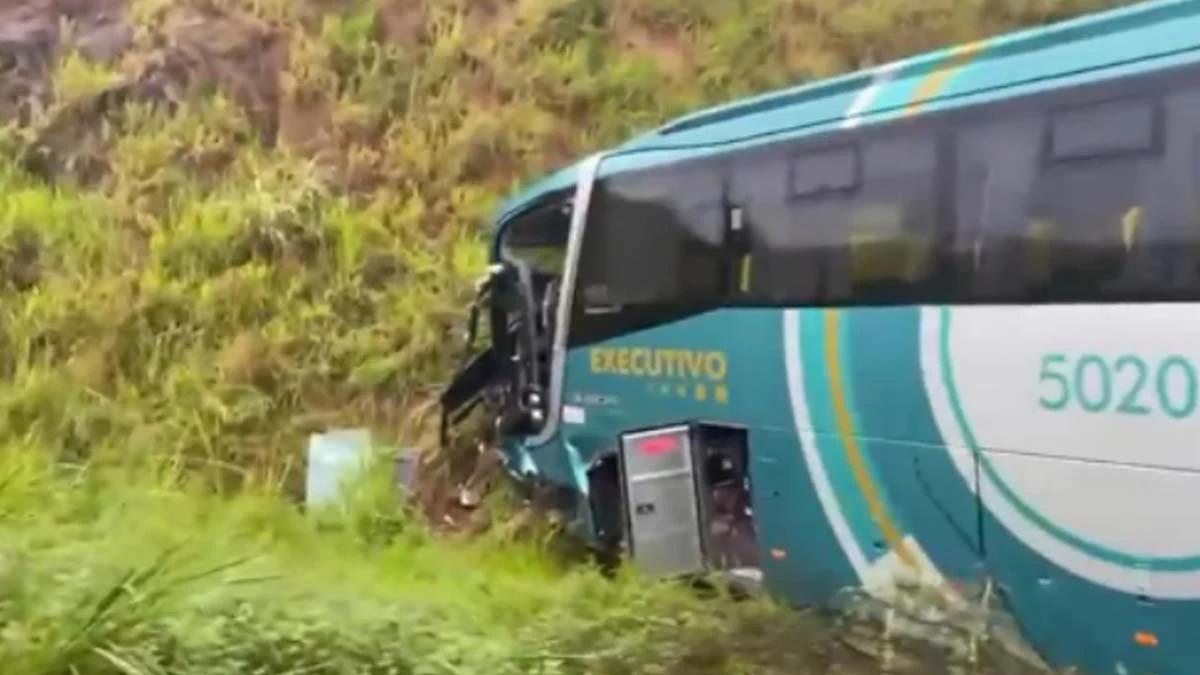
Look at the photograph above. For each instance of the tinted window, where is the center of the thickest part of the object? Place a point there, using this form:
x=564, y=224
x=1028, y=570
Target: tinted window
x=1075, y=205
x=842, y=226
x=654, y=237
x=1166, y=252
x=1081, y=224
x=996, y=164
x=1093, y=201
x=825, y=171
x=1102, y=129
x=539, y=238
x=653, y=248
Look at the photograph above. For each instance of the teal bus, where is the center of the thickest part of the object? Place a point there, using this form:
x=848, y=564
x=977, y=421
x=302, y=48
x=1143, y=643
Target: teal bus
x=930, y=323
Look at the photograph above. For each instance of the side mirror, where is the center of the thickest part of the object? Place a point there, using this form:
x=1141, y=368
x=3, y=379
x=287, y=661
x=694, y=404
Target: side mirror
x=493, y=271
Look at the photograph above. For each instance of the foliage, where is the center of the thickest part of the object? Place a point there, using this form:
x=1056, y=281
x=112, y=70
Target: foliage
x=97, y=577
x=208, y=267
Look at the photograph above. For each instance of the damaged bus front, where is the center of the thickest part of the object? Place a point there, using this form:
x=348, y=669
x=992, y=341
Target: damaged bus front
x=515, y=374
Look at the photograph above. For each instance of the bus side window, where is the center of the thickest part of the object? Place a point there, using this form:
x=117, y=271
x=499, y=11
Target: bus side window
x=893, y=244
x=652, y=251
x=1076, y=236
x=655, y=237
x=1067, y=201
x=779, y=270
x=1090, y=197
x=849, y=223
x=1167, y=243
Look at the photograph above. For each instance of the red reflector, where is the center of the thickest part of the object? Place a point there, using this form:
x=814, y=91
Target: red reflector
x=658, y=445
x=1145, y=639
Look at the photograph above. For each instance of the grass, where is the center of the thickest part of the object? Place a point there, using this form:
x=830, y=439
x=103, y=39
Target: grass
x=98, y=576
x=263, y=220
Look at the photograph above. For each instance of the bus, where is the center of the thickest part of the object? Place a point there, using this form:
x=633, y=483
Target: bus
x=932, y=323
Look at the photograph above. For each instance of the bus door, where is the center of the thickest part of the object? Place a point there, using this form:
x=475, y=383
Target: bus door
x=519, y=297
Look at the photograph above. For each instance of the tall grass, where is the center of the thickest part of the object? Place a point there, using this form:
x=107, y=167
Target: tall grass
x=135, y=572
x=264, y=218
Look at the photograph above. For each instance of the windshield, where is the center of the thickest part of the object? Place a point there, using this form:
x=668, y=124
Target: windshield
x=539, y=239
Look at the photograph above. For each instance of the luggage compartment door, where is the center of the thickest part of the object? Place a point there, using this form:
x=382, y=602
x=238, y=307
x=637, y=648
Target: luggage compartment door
x=660, y=501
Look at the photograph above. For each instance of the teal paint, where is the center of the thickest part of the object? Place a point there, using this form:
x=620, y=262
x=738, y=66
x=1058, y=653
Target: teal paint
x=902, y=441
x=1069, y=619
x=829, y=444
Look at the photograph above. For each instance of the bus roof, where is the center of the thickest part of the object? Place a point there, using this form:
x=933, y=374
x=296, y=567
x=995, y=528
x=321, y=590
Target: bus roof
x=1145, y=36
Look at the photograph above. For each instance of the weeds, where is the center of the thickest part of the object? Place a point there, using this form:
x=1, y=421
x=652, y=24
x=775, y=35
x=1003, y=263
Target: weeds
x=98, y=576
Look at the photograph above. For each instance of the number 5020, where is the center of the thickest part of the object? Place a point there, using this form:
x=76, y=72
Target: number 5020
x=1127, y=384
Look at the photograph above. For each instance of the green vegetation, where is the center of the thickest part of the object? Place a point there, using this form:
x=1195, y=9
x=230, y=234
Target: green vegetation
x=106, y=573
x=264, y=218
x=261, y=218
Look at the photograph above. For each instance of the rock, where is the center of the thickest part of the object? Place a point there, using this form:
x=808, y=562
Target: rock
x=106, y=42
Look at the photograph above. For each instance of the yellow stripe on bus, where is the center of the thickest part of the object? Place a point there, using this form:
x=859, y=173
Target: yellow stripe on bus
x=932, y=84
x=845, y=429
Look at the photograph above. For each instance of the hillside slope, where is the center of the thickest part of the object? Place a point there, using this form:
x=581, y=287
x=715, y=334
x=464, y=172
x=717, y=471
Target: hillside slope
x=229, y=223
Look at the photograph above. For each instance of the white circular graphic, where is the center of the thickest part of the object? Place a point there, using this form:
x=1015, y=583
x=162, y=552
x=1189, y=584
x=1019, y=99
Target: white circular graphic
x=1086, y=427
